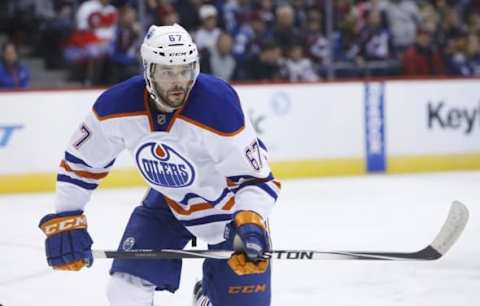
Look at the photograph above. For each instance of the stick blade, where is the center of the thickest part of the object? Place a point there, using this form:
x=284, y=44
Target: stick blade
x=452, y=228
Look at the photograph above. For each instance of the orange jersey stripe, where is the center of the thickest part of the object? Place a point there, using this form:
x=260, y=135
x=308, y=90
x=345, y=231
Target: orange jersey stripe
x=206, y=127
x=231, y=183
x=174, y=118
x=119, y=115
x=278, y=184
x=186, y=212
x=148, y=112
x=84, y=174
x=229, y=204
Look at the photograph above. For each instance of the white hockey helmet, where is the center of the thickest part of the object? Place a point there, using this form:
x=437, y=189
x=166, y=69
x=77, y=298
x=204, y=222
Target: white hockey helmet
x=167, y=47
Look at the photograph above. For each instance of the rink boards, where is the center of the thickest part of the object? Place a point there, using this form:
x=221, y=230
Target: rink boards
x=319, y=129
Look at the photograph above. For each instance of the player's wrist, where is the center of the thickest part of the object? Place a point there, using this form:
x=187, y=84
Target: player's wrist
x=61, y=214
x=248, y=217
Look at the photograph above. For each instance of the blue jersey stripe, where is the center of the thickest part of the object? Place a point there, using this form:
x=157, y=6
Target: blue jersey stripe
x=268, y=190
x=261, y=185
x=252, y=183
x=77, y=182
x=237, y=178
x=262, y=144
x=208, y=219
x=73, y=159
x=191, y=195
x=109, y=164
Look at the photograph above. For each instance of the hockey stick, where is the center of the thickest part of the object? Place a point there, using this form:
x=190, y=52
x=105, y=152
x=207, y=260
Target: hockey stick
x=452, y=229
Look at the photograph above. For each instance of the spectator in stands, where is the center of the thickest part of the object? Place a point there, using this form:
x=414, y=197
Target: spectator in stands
x=363, y=8
x=26, y=17
x=100, y=18
x=285, y=33
x=441, y=7
x=236, y=12
x=170, y=16
x=456, y=56
x=188, y=13
x=90, y=46
x=151, y=12
x=403, y=18
x=430, y=19
x=206, y=37
x=360, y=39
x=267, y=64
x=347, y=47
x=375, y=39
x=300, y=9
x=452, y=26
x=297, y=67
x=342, y=9
x=474, y=23
x=221, y=60
x=55, y=35
x=13, y=74
x=164, y=14
x=126, y=44
x=249, y=37
x=473, y=52
x=464, y=6
x=264, y=10
x=464, y=60
x=317, y=46
x=423, y=59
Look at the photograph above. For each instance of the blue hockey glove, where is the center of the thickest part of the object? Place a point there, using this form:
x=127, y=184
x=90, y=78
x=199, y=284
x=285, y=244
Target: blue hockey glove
x=251, y=229
x=68, y=244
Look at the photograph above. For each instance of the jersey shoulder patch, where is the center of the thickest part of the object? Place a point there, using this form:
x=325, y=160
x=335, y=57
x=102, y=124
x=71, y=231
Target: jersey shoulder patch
x=214, y=105
x=122, y=100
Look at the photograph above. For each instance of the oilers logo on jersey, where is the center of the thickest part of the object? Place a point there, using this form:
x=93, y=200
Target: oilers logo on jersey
x=162, y=166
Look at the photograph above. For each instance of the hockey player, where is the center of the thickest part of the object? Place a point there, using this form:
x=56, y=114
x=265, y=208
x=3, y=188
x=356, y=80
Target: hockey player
x=206, y=169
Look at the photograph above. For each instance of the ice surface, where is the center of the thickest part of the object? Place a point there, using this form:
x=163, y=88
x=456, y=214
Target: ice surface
x=397, y=213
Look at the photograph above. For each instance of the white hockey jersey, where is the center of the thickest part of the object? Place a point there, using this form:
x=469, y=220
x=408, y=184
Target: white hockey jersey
x=205, y=158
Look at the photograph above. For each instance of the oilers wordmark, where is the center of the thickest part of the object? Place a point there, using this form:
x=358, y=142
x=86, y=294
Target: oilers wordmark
x=161, y=165
x=165, y=173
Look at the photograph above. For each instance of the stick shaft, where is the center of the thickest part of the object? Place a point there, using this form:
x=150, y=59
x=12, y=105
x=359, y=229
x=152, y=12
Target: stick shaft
x=451, y=230
x=429, y=254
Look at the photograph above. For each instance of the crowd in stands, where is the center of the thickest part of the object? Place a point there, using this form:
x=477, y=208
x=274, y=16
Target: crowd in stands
x=13, y=74
x=247, y=40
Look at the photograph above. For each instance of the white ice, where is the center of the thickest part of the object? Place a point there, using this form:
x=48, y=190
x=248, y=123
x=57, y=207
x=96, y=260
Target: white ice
x=393, y=213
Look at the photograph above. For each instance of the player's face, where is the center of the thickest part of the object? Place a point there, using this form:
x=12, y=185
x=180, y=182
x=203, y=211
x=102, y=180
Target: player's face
x=173, y=83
